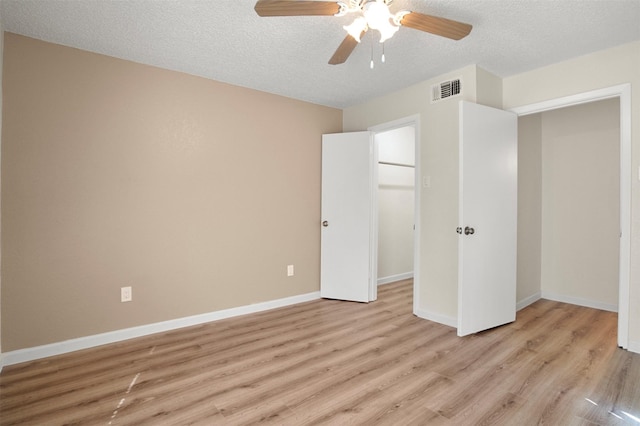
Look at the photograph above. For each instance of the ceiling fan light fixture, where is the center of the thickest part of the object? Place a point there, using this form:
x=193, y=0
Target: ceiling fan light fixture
x=378, y=17
x=356, y=28
x=376, y=13
x=387, y=32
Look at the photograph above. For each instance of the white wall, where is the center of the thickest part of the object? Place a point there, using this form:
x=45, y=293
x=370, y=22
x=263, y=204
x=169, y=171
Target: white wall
x=598, y=70
x=395, y=204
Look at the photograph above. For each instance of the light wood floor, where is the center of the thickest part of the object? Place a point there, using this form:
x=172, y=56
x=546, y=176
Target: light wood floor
x=332, y=362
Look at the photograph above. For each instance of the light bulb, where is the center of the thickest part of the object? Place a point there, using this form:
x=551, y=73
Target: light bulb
x=379, y=18
x=377, y=14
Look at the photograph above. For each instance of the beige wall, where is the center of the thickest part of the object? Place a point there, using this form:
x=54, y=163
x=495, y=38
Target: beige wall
x=581, y=202
x=529, y=208
x=438, y=280
x=195, y=193
x=598, y=70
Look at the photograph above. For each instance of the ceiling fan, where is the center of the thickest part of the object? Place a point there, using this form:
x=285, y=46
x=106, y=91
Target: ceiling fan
x=369, y=14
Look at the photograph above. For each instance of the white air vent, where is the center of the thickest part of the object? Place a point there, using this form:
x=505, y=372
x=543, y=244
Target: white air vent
x=445, y=89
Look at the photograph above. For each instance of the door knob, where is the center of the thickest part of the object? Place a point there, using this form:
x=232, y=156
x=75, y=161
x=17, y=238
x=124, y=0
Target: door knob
x=459, y=230
x=468, y=231
x=325, y=223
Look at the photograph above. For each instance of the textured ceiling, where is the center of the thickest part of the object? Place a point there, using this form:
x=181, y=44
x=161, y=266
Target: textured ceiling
x=226, y=41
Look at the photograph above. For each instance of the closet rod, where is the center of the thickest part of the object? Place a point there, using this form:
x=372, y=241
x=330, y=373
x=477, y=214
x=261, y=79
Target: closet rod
x=387, y=163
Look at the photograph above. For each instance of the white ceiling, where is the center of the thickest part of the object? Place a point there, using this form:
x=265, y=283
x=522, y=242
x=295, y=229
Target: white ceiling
x=226, y=41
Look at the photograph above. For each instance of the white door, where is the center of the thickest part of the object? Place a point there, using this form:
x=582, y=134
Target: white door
x=348, y=198
x=487, y=218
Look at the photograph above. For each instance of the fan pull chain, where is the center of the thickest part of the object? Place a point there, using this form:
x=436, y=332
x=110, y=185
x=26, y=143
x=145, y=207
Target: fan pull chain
x=382, y=59
x=371, y=63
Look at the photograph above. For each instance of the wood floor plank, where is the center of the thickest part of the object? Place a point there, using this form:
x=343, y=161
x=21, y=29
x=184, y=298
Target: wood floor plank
x=330, y=373
x=329, y=362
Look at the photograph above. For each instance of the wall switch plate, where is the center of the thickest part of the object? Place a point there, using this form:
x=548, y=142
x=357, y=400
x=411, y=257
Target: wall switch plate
x=426, y=181
x=289, y=270
x=126, y=294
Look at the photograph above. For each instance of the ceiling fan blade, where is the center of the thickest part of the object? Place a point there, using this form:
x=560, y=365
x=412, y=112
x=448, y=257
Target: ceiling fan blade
x=344, y=50
x=436, y=25
x=296, y=8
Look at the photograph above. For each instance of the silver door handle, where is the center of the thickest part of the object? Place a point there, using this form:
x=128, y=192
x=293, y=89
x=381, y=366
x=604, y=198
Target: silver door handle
x=325, y=223
x=468, y=231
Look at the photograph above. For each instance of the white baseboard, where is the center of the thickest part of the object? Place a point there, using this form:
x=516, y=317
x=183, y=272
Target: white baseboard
x=633, y=347
x=30, y=354
x=580, y=302
x=394, y=278
x=528, y=301
x=439, y=318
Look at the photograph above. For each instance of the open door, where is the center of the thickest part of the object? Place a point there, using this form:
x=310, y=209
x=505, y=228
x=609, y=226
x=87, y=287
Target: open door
x=348, y=245
x=487, y=218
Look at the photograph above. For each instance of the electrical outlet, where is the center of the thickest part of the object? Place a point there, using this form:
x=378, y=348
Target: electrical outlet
x=290, y=270
x=125, y=294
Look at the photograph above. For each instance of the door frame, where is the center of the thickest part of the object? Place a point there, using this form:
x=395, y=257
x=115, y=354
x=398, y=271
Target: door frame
x=623, y=92
x=410, y=121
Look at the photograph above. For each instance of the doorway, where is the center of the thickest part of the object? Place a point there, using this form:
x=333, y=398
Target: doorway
x=396, y=187
x=623, y=96
x=569, y=204
x=397, y=138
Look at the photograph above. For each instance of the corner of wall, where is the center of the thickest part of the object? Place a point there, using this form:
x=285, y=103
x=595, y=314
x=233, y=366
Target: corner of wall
x=488, y=88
